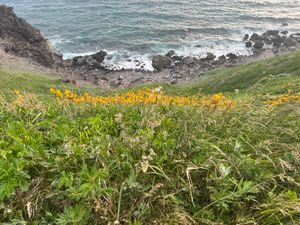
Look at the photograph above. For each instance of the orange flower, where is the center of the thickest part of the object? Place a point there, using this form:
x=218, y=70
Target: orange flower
x=217, y=97
x=149, y=97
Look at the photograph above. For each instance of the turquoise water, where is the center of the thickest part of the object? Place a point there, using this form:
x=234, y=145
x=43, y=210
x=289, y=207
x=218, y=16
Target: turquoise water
x=142, y=28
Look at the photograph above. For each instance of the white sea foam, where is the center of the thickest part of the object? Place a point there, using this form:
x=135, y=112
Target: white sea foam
x=128, y=61
x=200, y=50
x=56, y=40
x=69, y=55
x=122, y=60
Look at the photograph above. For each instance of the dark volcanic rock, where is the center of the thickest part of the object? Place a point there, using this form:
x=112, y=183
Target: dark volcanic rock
x=210, y=56
x=285, y=32
x=93, y=61
x=258, y=45
x=248, y=44
x=289, y=42
x=246, y=37
x=232, y=56
x=160, y=62
x=177, y=58
x=20, y=38
x=255, y=37
x=188, y=61
x=100, y=56
x=271, y=33
x=171, y=53
x=222, y=59
x=277, y=42
x=295, y=36
x=272, y=36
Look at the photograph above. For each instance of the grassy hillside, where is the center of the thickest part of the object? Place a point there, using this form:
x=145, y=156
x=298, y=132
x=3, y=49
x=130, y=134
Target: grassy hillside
x=182, y=154
x=257, y=76
x=35, y=83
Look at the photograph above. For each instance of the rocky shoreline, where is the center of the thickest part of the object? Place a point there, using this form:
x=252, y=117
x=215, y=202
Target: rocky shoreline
x=21, y=39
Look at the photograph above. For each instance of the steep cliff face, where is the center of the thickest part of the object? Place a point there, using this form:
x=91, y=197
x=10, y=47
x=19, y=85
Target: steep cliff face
x=20, y=38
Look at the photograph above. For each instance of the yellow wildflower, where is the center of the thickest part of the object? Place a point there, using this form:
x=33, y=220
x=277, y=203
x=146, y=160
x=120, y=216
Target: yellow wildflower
x=17, y=92
x=217, y=97
x=149, y=97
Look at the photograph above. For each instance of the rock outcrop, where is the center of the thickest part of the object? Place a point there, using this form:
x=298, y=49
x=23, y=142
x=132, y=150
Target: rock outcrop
x=258, y=45
x=20, y=38
x=210, y=56
x=248, y=44
x=92, y=61
x=160, y=62
x=273, y=39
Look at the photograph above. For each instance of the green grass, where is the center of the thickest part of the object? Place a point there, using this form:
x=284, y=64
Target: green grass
x=259, y=76
x=62, y=163
x=37, y=83
x=251, y=76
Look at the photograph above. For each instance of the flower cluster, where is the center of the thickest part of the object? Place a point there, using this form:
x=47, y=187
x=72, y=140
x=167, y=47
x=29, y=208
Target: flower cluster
x=149, y=97
x=20, y=100
x=279, y=100
x=56, y=92
x=26, y=100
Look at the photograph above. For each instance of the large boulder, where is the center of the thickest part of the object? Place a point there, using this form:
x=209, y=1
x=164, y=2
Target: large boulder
x=255, y=37
x=177, y=58
x=160, y=62
x=295, y=36
x=210, y=56
x=171, y=53
x=93, y=61
x=271, y=33
x=289, y=42
x=271, y=36
x=222, y=59
x=20, y=38
x=248, y=44
x=258, y=45
x=277, y=42
x=246, y=37
x=231, y=56
x=188, y=61
x=100, y=56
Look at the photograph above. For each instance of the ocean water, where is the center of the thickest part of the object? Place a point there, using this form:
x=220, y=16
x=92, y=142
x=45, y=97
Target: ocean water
x=139, y=29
